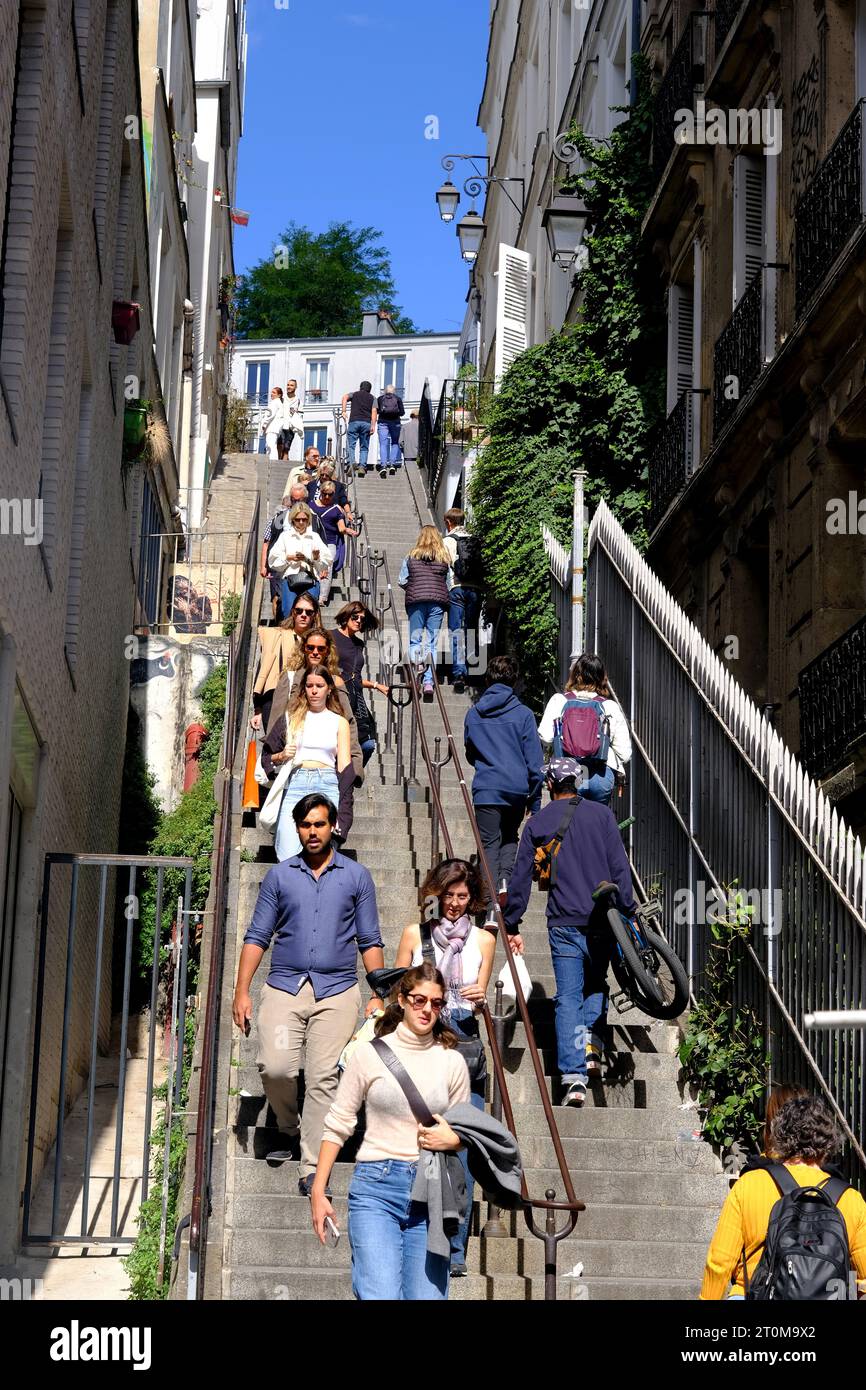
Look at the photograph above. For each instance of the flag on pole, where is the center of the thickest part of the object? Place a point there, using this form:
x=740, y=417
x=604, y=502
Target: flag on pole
x=240, y=218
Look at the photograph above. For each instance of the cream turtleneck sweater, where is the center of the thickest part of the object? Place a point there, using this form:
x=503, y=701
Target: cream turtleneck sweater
x=392, y=1130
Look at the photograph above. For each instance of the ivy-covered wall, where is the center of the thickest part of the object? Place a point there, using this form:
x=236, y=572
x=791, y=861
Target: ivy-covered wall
x=589, y=396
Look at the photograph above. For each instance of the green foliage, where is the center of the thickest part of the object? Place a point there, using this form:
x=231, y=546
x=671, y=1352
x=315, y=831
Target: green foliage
x=589, y=397
x=231, y=609
x=187, y=830
x=140, y=811
x=315, y=286
x=723, y=1050
x=142, y=1262
x=237, y=425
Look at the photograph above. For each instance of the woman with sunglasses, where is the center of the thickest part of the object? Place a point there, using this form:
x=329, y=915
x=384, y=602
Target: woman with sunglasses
x=298, y=557
x=280, y=647
x=463, y=955
x=314, y=737
x=317, y=649
x=387, y=1229
x=332, y=520
x=353, y=622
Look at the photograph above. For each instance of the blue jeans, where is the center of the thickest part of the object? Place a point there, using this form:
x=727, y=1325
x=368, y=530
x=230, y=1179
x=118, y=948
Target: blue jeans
x=368, y=748
x=463, y=611
x=465, y=1025
x=389, y=443
x=289, y=597
x=425, y=620
x=599, y=785
x=388, y=1235
x=359, y=433
x=581, y=956
x=302, y=781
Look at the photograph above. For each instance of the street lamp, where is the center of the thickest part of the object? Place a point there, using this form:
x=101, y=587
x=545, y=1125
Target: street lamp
x=564, y=222
x=447, y=197
x=470, y=230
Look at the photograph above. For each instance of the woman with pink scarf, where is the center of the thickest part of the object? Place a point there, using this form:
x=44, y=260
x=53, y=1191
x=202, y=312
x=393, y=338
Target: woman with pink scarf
x=463, y=953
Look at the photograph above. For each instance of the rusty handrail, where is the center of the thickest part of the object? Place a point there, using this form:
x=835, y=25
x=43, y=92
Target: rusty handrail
x=219, y=887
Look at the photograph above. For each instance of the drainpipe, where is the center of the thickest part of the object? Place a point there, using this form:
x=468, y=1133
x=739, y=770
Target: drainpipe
x=192, y=742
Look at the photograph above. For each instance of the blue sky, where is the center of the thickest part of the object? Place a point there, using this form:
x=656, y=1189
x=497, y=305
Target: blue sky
x=344, y=88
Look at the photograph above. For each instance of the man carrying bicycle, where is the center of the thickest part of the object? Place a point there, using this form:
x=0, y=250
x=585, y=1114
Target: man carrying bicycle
x=574, y=844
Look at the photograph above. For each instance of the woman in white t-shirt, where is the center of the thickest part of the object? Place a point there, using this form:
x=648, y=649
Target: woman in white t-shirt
x=463, y=953
x=314, y=737
x=587, y=680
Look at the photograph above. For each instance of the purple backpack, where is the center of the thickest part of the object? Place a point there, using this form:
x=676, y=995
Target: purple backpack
x=585, y=729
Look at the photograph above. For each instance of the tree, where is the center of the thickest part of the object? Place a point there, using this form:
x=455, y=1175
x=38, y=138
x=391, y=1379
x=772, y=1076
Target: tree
x=315, y=286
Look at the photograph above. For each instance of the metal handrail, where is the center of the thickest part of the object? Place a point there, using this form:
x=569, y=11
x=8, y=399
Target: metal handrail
x=573, y=1205
x=237, y=663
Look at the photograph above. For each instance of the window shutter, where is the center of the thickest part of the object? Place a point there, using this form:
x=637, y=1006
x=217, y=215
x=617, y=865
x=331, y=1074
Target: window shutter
x=512, y=307
x=680, y=343
x=749, y=221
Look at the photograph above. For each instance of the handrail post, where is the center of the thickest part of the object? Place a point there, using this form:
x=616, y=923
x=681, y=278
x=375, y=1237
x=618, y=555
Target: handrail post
x=494, y=1227
x=434, y=813
x=550, y=1243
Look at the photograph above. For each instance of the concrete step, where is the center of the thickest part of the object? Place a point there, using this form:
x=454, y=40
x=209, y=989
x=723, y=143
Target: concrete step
x=517, y=1288
x=622, y=1155
x=677, y=1189
x=662, y=1255
x=294, y=1285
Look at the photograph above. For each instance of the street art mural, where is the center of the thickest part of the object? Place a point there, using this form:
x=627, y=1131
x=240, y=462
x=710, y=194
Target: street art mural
x=166, y=677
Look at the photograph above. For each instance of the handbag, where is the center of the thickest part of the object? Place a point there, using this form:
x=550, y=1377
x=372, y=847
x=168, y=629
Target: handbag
x=470, y=1049
x=269, y=815
x=250, y=800
x=508, y=983
x=417, y=1103
x=383, y=981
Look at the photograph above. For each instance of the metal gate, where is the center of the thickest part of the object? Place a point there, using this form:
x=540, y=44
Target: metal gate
x=90, y=996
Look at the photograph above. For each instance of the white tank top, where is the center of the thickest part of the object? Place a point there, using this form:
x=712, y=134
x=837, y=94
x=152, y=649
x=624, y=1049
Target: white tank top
x=471, y=958
x=318, y=741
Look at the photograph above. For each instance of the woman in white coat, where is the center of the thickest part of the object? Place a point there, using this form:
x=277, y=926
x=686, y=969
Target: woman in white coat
x=272, y=422
x=293, y=424
x=587, y=680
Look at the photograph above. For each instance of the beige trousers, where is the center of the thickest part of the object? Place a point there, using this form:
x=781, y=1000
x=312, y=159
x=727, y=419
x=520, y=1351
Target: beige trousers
x=289, y=1024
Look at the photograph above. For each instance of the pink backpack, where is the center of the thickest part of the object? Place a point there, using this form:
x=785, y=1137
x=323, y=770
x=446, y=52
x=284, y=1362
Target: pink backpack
x=585, y=729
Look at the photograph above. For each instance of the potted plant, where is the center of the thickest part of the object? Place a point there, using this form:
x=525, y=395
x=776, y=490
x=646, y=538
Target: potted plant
x=134, y=429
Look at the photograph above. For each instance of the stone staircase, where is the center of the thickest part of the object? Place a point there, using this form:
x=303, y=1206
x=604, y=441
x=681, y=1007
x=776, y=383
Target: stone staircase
x=652, y=1197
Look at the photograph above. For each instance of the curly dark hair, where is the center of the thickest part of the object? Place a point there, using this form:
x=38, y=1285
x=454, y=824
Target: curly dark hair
x=416, y=975
x=804, y=1128
x=449, y=872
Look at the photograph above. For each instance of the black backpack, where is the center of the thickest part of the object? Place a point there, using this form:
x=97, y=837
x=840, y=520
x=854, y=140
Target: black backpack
x=468, y=568
x=806, y=1255
x=278, y=521
x=389, y=406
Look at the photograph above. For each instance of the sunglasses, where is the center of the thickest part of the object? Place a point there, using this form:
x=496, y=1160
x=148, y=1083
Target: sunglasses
x=420, y=1001
x=356, y=617
x=305, y=612
x=316, y=647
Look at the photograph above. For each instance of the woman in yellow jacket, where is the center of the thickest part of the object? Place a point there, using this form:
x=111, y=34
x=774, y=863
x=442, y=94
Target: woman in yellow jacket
x=804, y=1137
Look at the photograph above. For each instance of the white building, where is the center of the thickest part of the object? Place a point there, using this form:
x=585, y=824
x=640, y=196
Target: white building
x=220, y=66
x=546, y=66
x=326, y=368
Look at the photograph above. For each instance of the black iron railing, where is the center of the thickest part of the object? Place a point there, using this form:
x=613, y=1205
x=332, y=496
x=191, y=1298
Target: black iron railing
x=676, y=93
x=738, y=356
x=829, y=210
x=669, y=460
x=459, y=419
x=724, y=14
x=832, y=691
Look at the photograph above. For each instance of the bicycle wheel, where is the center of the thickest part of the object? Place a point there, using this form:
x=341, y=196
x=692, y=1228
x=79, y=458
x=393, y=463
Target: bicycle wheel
x=633, y=960
x=666, y=969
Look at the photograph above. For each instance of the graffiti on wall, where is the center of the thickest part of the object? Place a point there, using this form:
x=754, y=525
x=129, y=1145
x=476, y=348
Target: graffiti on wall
x=805, y=128
x=165, y=682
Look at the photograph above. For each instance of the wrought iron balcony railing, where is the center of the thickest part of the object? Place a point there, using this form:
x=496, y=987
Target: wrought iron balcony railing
x=832, y=691
x=738, y=356
x=724, y=14
x=830, y=209
x=669, y=460
x=684, y=73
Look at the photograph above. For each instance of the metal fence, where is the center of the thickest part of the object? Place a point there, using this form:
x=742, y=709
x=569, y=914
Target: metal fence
x=719, y=799
x=559, y=560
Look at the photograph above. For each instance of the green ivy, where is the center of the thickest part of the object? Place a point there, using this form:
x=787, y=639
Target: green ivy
x=589, y=396
x=231, y=607
x=723, y=1049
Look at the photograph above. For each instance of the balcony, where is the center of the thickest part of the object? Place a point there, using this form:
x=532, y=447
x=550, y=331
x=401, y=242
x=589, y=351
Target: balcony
x=669, y=460
x=685, y=72
x=459, y=420
x=830, y=210
x=738, y=356
x=318, y=396
x=724, y=14
x=832, y=693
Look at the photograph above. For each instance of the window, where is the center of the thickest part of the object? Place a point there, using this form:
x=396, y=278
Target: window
x=317, y=437
x=394, y=374
x=258, y=382
x=54, y=422
x=317, y=381
x=149, y=555
x=78, y=526
x=749, y=221
x=512, y=308
x=680, y=342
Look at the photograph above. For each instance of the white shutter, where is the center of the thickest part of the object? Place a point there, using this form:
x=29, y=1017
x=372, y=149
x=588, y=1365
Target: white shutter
x=749, y=221
x=680, y=343
x=512, y=307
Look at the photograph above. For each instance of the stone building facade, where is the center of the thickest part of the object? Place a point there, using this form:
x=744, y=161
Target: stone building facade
x=757, y=478
x=74, y=243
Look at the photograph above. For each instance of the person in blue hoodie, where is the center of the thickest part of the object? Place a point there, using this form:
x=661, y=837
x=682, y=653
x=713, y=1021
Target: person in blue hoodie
x=502, y=745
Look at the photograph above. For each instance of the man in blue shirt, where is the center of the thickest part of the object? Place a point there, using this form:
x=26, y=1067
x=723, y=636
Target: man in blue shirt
x=320, y=909
x=591, y=852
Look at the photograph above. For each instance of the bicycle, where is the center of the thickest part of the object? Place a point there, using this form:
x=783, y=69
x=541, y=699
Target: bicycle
x=645, y=967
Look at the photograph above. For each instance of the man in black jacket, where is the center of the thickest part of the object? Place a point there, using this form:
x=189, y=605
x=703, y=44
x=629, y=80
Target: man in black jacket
x=591, y=852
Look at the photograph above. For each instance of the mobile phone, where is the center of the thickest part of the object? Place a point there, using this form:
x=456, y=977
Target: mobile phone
x=332, y=1235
